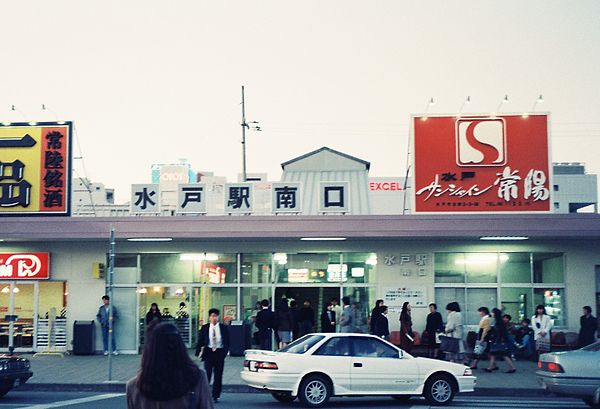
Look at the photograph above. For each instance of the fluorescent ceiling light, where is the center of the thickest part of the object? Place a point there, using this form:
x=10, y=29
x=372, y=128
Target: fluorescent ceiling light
x=198, y=257
x=150, y=239
x=323, y=238
x=504, y=238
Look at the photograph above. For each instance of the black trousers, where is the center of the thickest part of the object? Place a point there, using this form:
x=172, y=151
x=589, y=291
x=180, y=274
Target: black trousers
x=214, y=361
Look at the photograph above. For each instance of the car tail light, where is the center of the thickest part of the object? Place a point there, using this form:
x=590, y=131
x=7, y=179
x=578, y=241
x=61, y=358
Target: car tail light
x=246, y=363
x=550, y=367
x=266, y=365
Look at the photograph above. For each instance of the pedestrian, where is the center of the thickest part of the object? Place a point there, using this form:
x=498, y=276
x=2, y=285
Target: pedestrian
x=284, y=322
x=483, y=336
x=375, y=313
x=589, y=325
x=512, y=331
x=212, y=348
x=499, y=348
x=382, y=327
x=153, y=314
x=182, y=312
x=254, y=328
x=168, y=378
x=347, y=321
x=328, y=319
x=542, y=325
x=265, y=322
x=337, y=309
x=295, y=315
x=406, y=332
x=454, y=329
x=433, y=327
x=306, y=319
x=525, y=339
x=105, y=312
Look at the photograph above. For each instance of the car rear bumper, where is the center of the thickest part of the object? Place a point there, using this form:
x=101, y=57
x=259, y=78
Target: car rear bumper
x=270, y=380
x=466, y=383
x=572, y=386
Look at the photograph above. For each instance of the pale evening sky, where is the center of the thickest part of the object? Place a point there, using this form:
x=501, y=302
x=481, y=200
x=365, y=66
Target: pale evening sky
x=153, y=81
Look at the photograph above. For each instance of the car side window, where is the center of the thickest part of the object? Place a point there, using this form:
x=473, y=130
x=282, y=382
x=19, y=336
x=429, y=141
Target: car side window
x=337, y=346
x=372, y=347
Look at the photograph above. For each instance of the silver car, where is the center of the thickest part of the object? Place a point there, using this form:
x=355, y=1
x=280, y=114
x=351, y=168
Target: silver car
x=573, y=373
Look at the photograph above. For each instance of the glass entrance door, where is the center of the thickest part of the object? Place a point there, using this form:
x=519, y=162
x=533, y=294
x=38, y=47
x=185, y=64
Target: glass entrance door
x=18, y=304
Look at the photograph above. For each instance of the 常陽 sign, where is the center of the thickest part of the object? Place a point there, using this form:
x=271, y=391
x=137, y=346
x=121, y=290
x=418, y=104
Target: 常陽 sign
x=24, y=266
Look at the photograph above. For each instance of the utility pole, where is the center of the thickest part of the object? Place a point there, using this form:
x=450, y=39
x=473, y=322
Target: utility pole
x=246, y=125
x=111, y=269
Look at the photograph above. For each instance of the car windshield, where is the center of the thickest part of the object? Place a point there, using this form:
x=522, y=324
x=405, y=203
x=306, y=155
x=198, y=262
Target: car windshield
x=592, y=348
x=302, y=345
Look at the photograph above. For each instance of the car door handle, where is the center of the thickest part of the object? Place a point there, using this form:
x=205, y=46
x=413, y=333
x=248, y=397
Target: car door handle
x=358, y=365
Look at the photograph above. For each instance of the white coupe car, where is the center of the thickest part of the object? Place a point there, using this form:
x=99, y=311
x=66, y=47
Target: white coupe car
x=319, y=366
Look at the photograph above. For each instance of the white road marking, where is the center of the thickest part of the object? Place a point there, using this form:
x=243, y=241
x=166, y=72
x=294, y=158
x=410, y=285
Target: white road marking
x=75, y=401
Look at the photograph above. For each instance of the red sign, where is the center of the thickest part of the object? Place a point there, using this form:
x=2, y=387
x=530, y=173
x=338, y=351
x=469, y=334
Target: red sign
x=476, y=164
x=24, y=266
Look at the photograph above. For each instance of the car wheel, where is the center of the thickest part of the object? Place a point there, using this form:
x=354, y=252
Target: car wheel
x=285, y=397
x=439, y=390
x=315, y=391
x=5, y=387
x=590, y=403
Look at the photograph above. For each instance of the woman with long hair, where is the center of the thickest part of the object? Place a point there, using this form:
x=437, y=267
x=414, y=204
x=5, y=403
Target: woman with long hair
x=500, y=347
x=167, y=378
x=376, y=313
x=153, y=314
x=542, y=324
x=406, y=332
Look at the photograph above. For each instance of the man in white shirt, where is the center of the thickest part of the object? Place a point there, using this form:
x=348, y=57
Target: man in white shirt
x=212, y=348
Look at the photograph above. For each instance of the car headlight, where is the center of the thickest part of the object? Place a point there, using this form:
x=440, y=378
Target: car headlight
x=468, y=372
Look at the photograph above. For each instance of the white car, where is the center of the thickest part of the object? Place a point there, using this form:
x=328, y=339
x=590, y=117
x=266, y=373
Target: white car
x=319, y=366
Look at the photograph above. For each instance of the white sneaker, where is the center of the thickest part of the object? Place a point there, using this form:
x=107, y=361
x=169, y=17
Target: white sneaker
x=115, y=353
x=105, y=353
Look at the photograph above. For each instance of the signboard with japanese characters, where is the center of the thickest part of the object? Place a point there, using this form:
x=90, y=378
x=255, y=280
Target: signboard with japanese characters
x=396, y=296
x=238, y=198
x=286, y=198
x=482, y=164
x=191, y=198
x=35, y=169
x=334, y=197
x=24, y=266
x=145, y=198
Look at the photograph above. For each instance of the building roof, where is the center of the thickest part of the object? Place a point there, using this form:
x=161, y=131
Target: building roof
x=326, y=149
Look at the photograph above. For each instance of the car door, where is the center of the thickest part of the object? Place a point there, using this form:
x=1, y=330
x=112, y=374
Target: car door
x=334, y=357
x=376, y=367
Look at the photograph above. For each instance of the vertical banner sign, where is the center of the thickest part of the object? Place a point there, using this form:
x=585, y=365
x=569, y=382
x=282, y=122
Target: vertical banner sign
x=482, y=164
x=35, y=169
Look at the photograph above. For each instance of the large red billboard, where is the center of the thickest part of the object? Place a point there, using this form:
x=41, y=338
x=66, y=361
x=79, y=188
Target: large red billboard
x=24, y=266
x=481, y=164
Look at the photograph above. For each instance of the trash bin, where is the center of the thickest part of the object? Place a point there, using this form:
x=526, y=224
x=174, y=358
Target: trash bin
x=237, y=340
x=84, y=338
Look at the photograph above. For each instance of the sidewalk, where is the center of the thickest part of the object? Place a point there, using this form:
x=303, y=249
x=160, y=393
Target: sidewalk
x=91, y=373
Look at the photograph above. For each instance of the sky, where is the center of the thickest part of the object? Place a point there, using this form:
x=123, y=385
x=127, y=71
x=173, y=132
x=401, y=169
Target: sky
x=154, y=81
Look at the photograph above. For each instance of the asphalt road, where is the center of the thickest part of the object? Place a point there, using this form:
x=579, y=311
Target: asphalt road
x=80, y=400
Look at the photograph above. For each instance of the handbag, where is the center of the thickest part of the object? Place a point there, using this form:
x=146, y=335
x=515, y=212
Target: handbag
x=542, y=344
x=480, y=347
x=449, y=344
x=499, y=347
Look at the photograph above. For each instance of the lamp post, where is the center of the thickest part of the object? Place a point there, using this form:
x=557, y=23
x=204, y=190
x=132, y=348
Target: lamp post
x=246, y=125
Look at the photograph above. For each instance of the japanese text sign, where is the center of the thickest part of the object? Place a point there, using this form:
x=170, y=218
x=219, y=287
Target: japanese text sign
x=35, y=169
x=24, y=266
x=286, y=197
x=482, y=164
x=238, y=198
x=191, y=198
x=145, y=198
x=334, y=197
x=396, y=296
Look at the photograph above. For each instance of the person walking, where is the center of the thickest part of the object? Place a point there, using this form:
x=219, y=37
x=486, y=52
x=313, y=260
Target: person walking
x=104, y=316
x=328, y=319
x=284, y=322
x=306, y=319
x=153, y=314
x=375, y=313
x=168, y=378
x=382, y=326
x=483, y=336
x=212, y=348
x=589, y=325
x=499, y=347
x=337, y=309
x=542, y=325
x=347, y=321
x=265, y=322
x=433, y=327
x=406, y=332
x=454, y=329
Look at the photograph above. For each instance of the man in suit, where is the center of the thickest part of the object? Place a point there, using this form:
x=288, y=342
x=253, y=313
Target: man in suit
x=347, y=320
x=212, y=348
x=104, y=316
x=328, y=320
x=265, y=320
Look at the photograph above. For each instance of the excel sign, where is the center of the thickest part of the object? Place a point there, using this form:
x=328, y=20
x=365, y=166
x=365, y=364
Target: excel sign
x=35, y=169
x=482, y=164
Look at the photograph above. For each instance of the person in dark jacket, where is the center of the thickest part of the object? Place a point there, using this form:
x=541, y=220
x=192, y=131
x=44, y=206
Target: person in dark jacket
x=434, y=326
x=499, y=343
x=265, y=321
x=589, y=325
x=375, y=313
x=153, y=314
x=382, y=327
x=328, y=319
x=212, y=348
x=306, y=319
x=295, y=315
x=406, y=332
x=284, y=322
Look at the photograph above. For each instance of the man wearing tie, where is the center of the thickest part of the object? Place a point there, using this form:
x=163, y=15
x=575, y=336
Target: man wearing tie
x=212, y=348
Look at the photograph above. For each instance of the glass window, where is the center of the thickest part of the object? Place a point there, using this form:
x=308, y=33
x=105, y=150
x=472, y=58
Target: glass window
x=515, y=267
x=516, y=302
x=309, y=268
x=338, y=346
x=169, y=300
x=444, y=296
x=224, y=299
x=553, y=300
x=303, y=344
x=219, y=268
x=256, y=268
x=360, y=267
x=124, y=300
x=372, y=347
x=126, y=269
x=362, y=300
x=478, y=297
x=168, y=268
x=548, y=268
x=449, y=268
x=480, y=267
